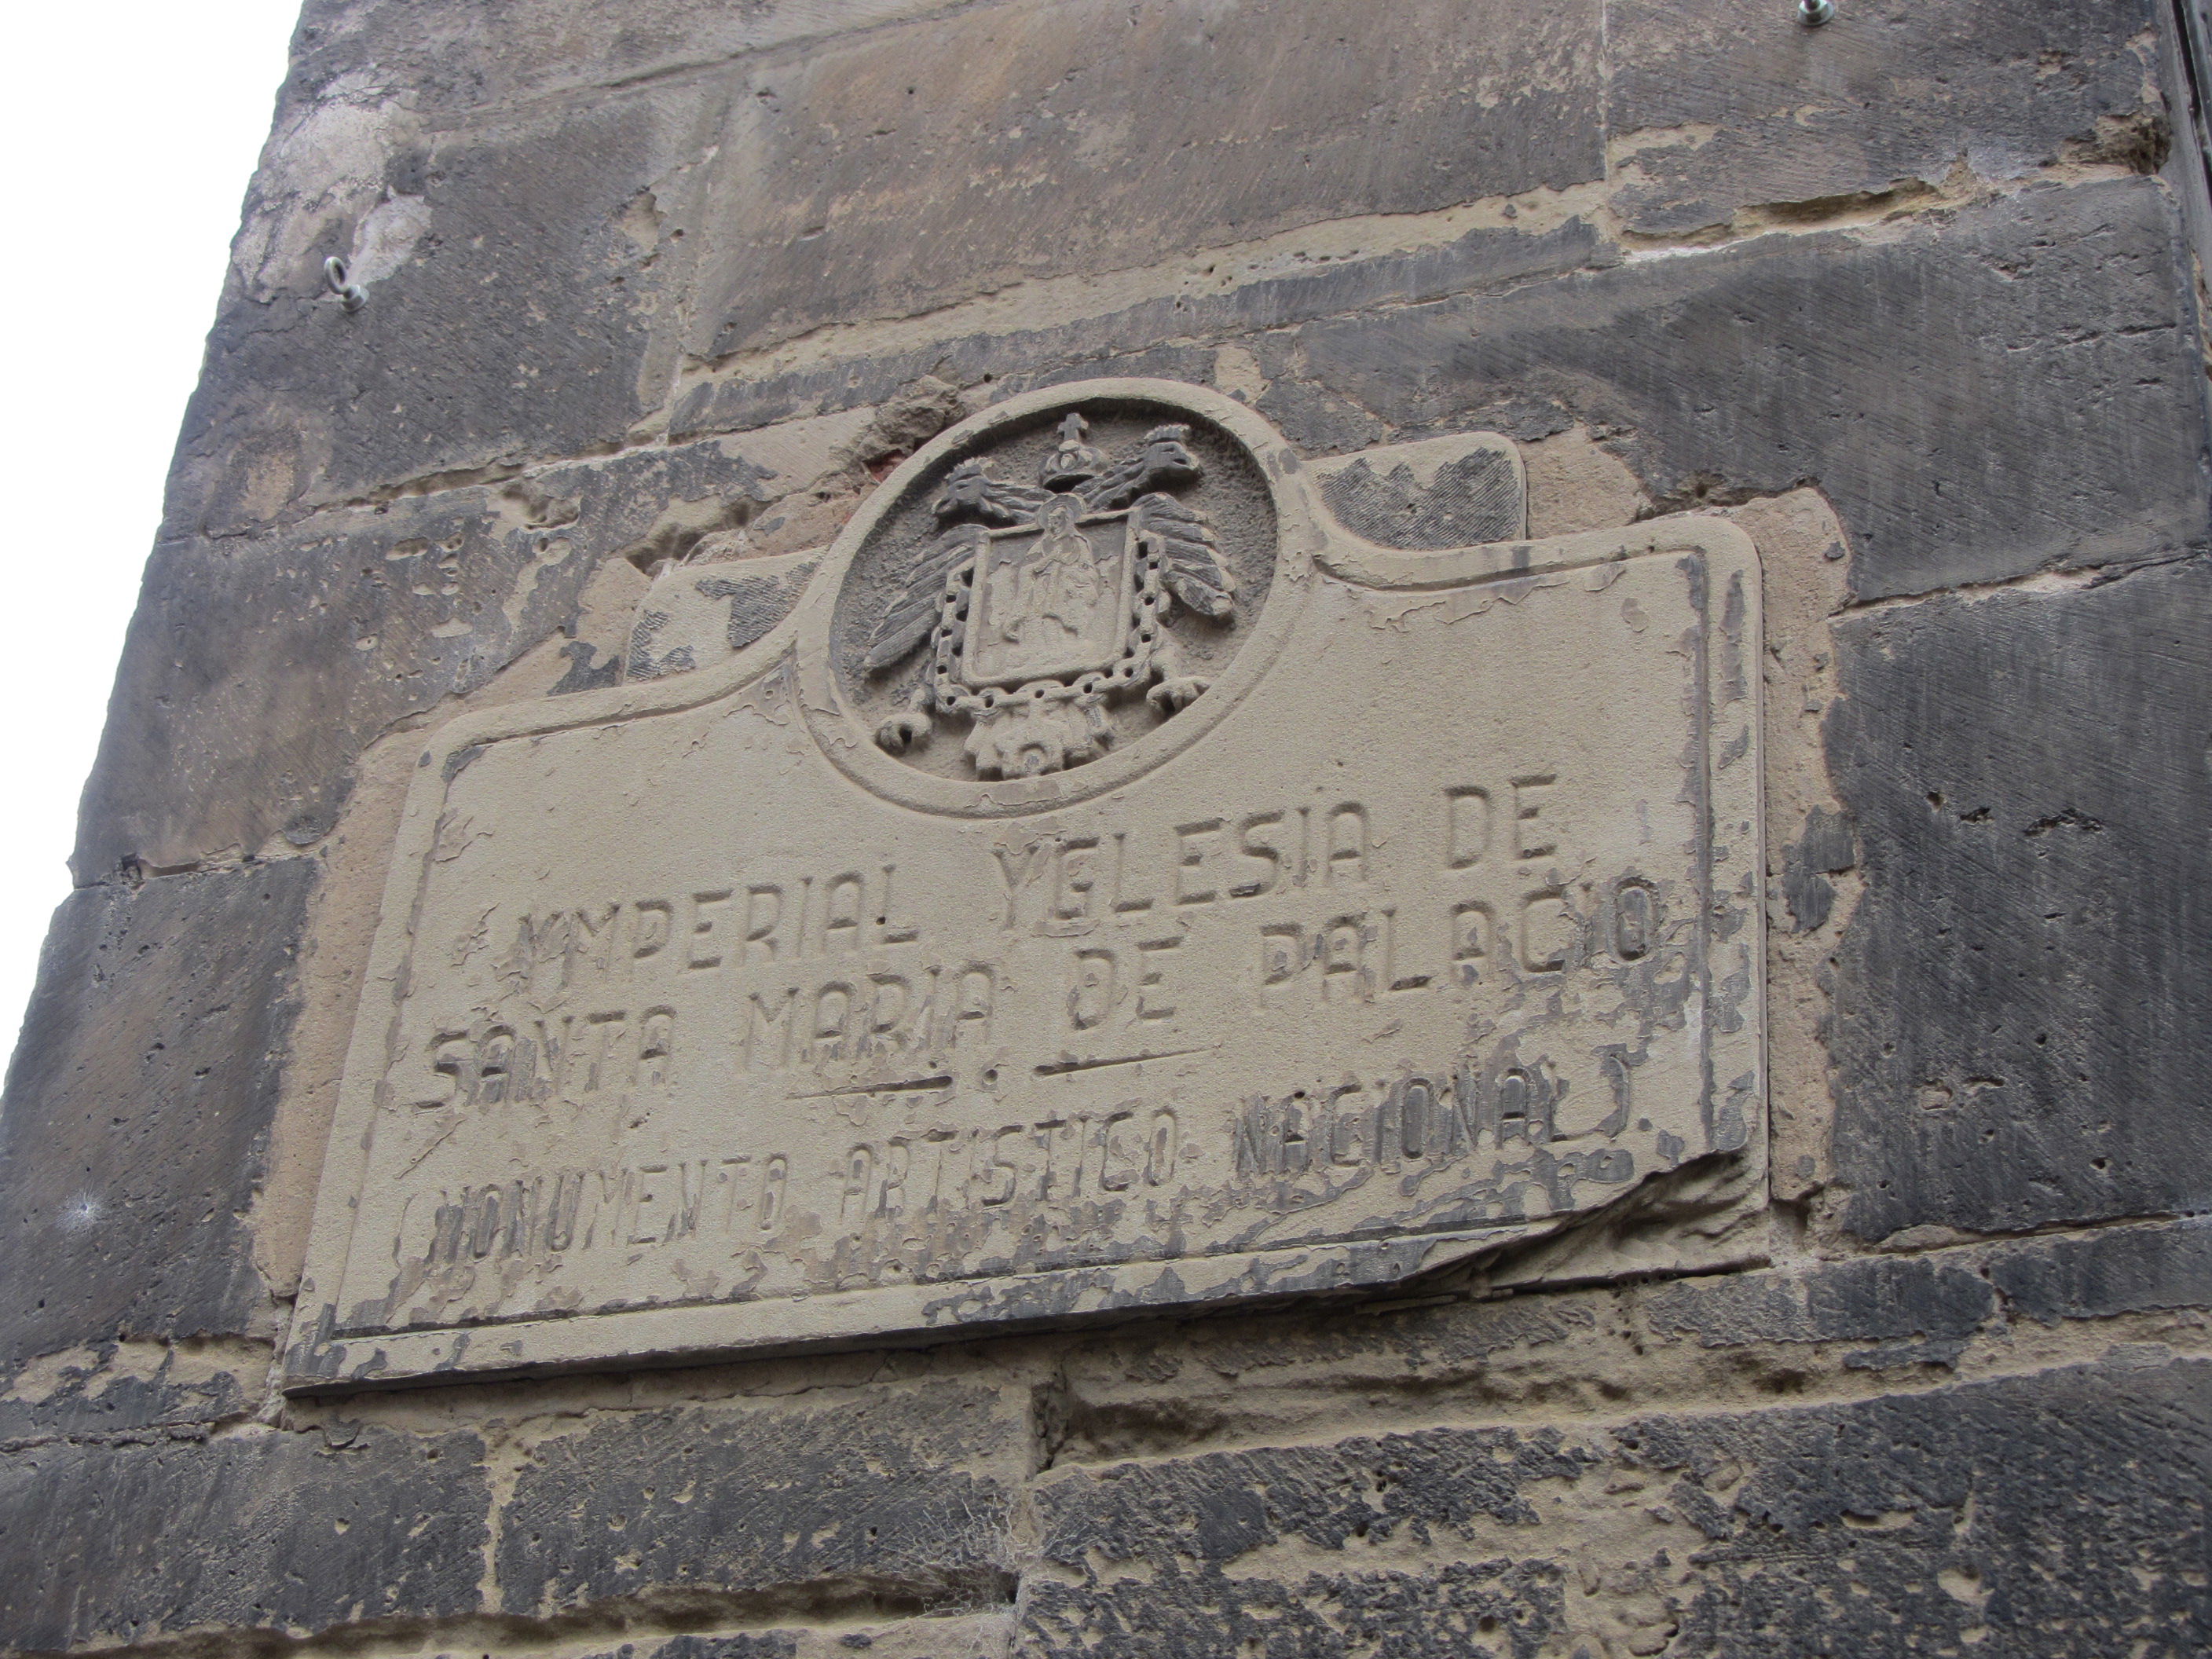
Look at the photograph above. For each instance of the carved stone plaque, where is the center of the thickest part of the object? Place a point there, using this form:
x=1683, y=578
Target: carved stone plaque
x=1117, y=885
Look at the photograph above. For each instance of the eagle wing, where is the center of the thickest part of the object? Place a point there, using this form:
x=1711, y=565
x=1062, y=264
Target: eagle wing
x=970, y=488
x=1190, y=561
x=914, y=608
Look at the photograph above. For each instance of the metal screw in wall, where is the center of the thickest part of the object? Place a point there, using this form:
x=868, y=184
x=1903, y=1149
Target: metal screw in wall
x=1814, y=13
x=352, y=296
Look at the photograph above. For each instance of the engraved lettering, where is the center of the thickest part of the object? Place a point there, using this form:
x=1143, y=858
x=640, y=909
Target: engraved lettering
x=702, y=928
x=1152, y=982
x=1073, y=878
x=1546, y=926
x=1001, y=1168
x=1017, y=875
x=1466, y=826
x=1118, y=1167
x=656, y=1047
x=764, y=916
x=774, y=1178
x=887, y=930
x=1190, y=856
x=1124, y=903
x=1282, y=952
x=1091, y=997
x=1255, y=847
x=586, y=932
x=1347, y=845
x=842, y=901
x=494, y=1060
x=830, y=1034
x=652, y=921
x=1531, y=841
x=1635, y=914
x=768, y=1031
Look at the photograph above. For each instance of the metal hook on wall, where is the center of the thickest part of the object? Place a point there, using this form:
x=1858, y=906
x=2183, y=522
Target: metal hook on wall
x=352, y=296
x=1814, y=13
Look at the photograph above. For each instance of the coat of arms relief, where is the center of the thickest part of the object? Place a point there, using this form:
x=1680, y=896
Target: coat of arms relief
x=1042, y=606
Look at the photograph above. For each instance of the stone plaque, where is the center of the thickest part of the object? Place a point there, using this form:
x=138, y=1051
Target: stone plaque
x=1115, y=884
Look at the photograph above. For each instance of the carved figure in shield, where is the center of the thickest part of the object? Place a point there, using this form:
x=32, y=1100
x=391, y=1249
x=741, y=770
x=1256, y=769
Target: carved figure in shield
x=1044, y=602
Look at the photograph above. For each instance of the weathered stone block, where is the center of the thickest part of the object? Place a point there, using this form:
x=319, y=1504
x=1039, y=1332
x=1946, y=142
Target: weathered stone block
x=258, y=668
x=2016, y=388
x=1715, y=108
x=116, y=1388
x=513, y=272
x=279, y=1533
x=138, y=1109
x=467, y=59
x=2059, y=1514
x=883, y=174
x=2118, y=1270
x=905, y=1492
x=2022, y=985
x=1224, y=1505
x=1152, y=336
x=1924, y=1310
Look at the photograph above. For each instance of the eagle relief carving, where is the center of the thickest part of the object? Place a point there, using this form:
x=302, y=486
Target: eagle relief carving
x=1044, y=604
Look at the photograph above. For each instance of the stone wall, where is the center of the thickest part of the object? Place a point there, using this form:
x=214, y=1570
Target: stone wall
x=1913, y=298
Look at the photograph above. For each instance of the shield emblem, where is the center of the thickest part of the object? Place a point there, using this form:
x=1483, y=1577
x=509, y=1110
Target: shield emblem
x=1051, y=602
x=1052, y=607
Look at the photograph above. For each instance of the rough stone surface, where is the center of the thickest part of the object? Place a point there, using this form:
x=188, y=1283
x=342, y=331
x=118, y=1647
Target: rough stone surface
x=1129, y=340
x=881, y=176
x=764, y=1499
x=2017, y=988
x=1882, y=1528
x=2110, y=1272
x=294, y=1533
x=453, y=62
x=228, y=740
x=1932, y=1307
x=1710, y=116
x=1906, y=377
x=512, y=272
x=118, y=1388
x=138, y=1110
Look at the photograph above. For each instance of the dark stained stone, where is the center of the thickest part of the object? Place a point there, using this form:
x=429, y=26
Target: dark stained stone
x=138, y=1108
x=467, y=58
x=1155, y=333
x=2054, y=1514
x=766, y=1496
x=88, y=1399
x=1929, y=1308
x=2114, y=1270
x=2024, y=988
x=1826, y=849
x=1478, y=498
x=883, y=173
x=258, y=668
x=2013, y=388
x=1718, y=107
x=1458, y=1610
x=1215, y=1508
x=514, y=328
x=121, y=1544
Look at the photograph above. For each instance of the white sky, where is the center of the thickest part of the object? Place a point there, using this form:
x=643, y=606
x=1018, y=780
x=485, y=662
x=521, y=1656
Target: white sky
x=132, y=135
